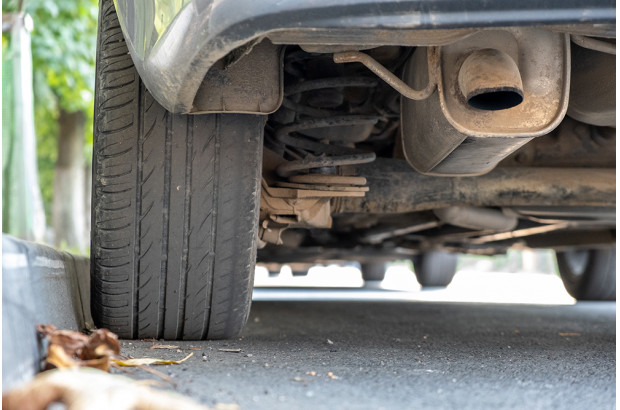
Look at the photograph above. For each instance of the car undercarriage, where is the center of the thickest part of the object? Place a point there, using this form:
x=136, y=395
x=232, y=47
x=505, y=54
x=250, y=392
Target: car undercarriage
x=322, y=132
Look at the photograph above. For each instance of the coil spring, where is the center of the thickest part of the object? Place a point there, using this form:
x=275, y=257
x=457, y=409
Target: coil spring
x=299, y=135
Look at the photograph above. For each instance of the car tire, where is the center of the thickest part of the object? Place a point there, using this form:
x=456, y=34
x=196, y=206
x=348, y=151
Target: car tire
x=435, y=268
x=589, y=274
x=174, y=208
x=373, y=271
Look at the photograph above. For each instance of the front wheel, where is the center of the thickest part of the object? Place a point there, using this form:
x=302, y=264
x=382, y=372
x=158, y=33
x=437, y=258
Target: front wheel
x=174, y=208
x=435, y=268
x=589, y=274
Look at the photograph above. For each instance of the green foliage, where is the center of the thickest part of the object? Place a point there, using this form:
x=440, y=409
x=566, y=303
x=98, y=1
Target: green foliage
x=63, y=43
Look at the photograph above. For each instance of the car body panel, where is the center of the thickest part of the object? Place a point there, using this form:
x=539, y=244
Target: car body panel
x=174, y=43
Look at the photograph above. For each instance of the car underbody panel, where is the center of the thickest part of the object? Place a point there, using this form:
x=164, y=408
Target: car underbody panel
x=174, y=45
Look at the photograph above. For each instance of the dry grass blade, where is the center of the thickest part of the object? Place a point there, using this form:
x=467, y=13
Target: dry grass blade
x=147, y=361
x=163, y=347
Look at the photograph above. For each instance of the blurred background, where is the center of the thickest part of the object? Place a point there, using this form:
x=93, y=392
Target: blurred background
x=48, y=76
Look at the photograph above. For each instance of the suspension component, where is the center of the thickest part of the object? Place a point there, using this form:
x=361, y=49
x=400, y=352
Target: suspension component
x=311, y=141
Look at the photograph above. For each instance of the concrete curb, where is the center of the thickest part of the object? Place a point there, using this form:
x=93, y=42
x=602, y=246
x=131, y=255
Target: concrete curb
x=39, y=285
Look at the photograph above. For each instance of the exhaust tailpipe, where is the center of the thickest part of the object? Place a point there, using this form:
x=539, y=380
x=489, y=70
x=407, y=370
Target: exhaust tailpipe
x=490, y=80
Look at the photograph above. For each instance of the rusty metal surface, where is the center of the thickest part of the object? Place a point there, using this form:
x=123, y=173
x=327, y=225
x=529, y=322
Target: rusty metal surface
x=572, y=144
x=312, y=162
x=391, y=79
x=594, y=44
x=478, y=218
x=593, y=87
x=278, y=214
x=249, y=82
x=445, y=136
x=327, y=179
x=543, y=58
x=395, y=188
x=489, y=79
x=335, y=189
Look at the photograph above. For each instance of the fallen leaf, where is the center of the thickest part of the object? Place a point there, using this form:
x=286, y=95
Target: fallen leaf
x=59, y=358
x=311, y=373
x=100, y=343
x=569, y=334
x=194, y=348
x=163, y=347
x=72, y=342
x=80, y=388
x=147, y=361
x=298, y=379
x=329, y=342
x=230, y=350
x=68, y=348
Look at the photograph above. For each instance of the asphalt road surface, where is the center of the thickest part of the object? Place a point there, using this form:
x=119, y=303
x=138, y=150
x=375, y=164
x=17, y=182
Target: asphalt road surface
x=387, y=350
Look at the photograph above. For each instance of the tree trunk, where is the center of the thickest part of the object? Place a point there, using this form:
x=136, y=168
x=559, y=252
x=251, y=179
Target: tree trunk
x=68, y=208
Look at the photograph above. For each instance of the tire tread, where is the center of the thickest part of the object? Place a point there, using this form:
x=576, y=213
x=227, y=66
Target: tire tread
x=175, y=208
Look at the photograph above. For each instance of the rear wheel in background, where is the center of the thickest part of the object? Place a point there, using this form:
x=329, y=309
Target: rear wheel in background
x=589, y=274
x=174, y=208
x=435, y=268
x=373, y=271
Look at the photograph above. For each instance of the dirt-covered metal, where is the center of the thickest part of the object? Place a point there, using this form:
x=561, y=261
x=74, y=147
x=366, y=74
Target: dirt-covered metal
x=444, y=135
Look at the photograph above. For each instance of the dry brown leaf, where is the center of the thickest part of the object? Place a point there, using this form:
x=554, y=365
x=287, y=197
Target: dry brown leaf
x=194, y=348
x=68, y=348
x=147, y=361
x=57, y=356
x=100, y=343
x=80, y=388
x=569, y=334
x=72, y=342
x=163, y=347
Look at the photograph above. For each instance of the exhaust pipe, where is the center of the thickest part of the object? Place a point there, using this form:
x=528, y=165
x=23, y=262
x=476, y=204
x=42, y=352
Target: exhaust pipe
x=490, y=80
x=396, y=189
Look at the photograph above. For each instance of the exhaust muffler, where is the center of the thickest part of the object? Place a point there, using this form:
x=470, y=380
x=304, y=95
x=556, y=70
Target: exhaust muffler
x=496, y=90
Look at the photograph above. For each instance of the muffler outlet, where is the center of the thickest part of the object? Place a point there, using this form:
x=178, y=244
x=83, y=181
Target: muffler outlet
x=490, y=80
x=496, y=90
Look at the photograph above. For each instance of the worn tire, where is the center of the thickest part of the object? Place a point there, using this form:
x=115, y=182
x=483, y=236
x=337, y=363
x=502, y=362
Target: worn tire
x=174, y=208
x=435, y=268
x=589, y=274
x=373, y=271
